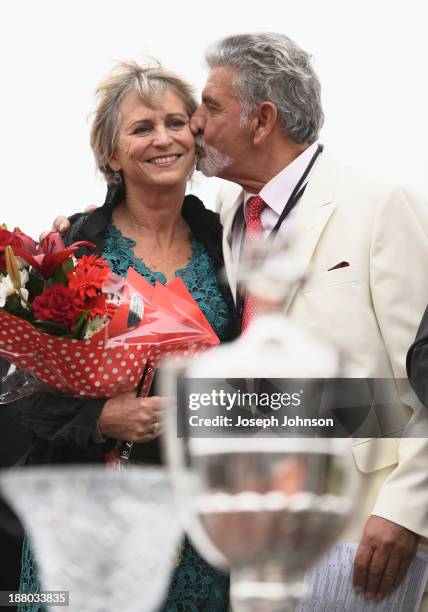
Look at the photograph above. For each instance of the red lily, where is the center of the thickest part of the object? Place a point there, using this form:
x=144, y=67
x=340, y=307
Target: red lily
x=15, y=239
x=49, y=254
x=27, y=243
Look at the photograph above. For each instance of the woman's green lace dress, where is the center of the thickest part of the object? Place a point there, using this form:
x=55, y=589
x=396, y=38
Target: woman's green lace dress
x=195, y=585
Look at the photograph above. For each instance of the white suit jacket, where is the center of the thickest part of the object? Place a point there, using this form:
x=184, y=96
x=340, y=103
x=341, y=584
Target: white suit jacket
x=371, y=308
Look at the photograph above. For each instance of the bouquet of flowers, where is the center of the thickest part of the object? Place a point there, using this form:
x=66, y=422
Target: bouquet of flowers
x=82, y=330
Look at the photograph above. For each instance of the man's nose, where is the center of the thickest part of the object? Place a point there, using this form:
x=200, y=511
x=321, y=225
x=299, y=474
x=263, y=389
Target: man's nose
x=197, y=122
x=162, y=137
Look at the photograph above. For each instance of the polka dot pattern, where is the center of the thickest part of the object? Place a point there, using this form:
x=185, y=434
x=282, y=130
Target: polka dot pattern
x=85, y=368
x=254, y=229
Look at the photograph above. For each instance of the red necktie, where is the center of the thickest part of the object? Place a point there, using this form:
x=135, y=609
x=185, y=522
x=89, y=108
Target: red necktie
x=254, y=230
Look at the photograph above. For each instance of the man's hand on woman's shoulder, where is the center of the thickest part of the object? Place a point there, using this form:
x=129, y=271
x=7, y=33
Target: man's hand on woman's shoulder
x=62, y=224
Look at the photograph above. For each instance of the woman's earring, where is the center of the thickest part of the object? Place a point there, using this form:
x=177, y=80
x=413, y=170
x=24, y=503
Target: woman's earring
x=117, y=178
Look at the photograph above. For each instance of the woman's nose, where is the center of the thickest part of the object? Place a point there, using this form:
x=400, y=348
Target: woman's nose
x=162, y=137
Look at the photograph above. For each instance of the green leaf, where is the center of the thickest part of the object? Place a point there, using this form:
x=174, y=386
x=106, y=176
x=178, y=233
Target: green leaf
x=59, y=277
x=68, y=265
x=49, y=327
x=35, y=285
x=14, y=306
x=79, y=330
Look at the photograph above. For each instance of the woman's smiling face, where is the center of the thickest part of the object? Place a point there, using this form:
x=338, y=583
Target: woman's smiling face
x=155, y=147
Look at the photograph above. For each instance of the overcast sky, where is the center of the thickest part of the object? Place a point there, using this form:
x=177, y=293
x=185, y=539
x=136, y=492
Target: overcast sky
x=371, y=56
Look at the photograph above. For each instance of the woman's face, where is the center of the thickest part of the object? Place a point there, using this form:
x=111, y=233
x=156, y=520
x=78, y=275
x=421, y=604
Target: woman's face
x=155, y=147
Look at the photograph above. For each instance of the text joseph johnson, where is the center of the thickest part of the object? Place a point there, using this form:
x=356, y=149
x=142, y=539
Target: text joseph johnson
x=270, y=421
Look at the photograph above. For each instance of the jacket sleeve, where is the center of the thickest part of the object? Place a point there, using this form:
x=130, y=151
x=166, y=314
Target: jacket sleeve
x=417, y=362
x=59, y=419
x=399, y=259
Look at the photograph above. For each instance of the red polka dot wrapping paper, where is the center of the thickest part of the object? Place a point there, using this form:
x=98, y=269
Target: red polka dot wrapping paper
x=85, y=368
x=101, y=366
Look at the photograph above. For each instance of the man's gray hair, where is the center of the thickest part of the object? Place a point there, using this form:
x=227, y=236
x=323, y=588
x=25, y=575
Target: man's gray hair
x=271, y=66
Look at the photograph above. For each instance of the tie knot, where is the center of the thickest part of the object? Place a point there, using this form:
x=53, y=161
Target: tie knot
x=255, y=207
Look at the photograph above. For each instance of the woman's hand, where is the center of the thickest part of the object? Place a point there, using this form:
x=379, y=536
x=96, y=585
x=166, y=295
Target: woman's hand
x=130, y=418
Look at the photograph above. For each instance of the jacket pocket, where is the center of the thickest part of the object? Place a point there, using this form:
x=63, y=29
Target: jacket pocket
x=373, y=454
x=325, y=279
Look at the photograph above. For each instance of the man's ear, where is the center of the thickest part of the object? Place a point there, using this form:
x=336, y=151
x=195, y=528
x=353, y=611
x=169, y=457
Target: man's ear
x=263, y=121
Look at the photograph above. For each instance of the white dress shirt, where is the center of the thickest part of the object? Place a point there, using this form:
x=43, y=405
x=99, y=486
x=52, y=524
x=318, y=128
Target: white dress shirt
x=276, y=194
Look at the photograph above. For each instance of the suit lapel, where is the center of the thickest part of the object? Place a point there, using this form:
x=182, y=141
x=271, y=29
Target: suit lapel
x=313, y=213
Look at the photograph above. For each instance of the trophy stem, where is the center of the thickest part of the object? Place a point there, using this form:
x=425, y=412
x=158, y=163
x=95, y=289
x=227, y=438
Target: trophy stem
x=260, y=590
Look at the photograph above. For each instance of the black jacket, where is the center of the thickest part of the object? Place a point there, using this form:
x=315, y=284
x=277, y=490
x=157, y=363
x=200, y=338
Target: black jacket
x=63, y=426
x=417, y=361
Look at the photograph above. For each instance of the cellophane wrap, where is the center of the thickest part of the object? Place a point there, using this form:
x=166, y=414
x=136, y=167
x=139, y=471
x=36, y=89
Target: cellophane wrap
x=113, y=360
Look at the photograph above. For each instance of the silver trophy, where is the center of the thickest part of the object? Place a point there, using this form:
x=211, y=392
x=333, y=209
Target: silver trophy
x=264, y=507
x=106, y=537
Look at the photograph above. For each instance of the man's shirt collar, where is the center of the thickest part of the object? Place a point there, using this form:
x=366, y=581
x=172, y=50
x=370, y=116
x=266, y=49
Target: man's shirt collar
x=278, y=190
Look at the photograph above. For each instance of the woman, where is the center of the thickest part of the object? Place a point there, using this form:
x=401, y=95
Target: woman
x=144, y=147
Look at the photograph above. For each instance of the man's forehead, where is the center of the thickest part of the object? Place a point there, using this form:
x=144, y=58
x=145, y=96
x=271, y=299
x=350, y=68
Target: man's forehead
x=219, y=82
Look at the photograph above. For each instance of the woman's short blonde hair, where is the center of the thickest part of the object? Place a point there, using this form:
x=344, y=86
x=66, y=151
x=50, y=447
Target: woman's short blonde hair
x=150, y=82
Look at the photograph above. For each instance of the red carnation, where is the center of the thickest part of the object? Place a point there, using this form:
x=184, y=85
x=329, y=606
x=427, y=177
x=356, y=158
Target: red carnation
x=88, y=276
x=58, y=304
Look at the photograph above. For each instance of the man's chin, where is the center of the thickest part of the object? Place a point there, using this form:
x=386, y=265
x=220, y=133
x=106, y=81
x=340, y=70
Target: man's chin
x=210, y=169
x=207, y=170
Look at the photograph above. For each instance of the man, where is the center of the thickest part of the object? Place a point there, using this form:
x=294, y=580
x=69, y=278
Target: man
x=367, y=246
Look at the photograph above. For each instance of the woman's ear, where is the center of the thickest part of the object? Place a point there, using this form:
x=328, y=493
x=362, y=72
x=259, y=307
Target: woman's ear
x=263, y=121
x=114, y=164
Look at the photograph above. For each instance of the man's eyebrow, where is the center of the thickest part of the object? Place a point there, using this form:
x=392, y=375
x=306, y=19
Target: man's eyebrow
x=209, y=100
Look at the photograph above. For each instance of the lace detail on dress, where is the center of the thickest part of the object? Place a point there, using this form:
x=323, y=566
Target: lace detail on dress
x=198, y=275
x=29, y=581
x=196, y=586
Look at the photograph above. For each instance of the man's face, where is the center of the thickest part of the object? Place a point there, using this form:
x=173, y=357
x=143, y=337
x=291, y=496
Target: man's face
x=223, y=143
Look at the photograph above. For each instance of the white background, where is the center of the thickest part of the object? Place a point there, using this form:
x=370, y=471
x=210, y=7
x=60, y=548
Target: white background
x=371, y=55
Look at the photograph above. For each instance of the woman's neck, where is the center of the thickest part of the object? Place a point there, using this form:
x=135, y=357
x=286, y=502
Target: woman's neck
x=151, y=215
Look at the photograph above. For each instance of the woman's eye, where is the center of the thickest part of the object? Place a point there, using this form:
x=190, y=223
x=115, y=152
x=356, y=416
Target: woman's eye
x=177, y=124
x=143, y=129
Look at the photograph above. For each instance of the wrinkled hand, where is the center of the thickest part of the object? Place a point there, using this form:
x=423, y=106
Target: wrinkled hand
x=126, y=417
x=383, y=557
x=62, y=224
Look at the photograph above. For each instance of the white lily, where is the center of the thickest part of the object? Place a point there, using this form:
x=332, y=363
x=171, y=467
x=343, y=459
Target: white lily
x=7, y=288
x=94, y=324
